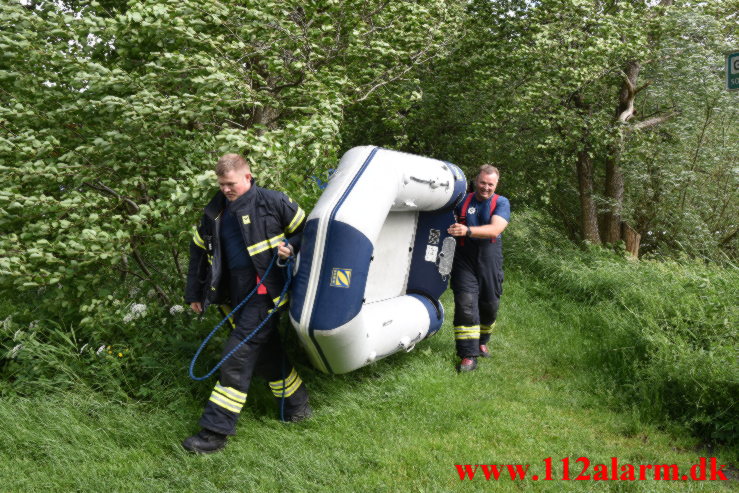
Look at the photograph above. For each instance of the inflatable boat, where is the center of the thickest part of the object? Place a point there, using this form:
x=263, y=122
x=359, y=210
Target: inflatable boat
x=375, y=258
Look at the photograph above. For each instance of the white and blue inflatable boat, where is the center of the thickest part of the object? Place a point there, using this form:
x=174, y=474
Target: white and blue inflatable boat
x=375, y=258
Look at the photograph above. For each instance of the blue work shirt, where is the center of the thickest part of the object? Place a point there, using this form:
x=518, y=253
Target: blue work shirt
x=478, y=213
x=234, y=248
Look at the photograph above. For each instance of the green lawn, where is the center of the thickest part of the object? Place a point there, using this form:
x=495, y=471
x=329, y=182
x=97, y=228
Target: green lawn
x=399, y=425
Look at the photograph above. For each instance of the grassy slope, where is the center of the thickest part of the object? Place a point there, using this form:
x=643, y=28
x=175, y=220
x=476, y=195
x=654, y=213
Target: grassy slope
x=401, y=424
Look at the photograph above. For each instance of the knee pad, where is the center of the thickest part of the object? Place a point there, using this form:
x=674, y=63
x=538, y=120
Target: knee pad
x=465, y=306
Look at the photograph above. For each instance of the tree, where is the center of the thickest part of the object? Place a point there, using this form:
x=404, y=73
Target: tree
x=684, y=182
x=562, y=94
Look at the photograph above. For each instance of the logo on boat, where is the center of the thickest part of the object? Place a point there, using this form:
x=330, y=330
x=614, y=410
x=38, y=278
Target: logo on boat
x=341, y=278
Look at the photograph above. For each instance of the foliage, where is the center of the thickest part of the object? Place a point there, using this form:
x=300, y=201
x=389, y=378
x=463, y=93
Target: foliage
x=531, y=87
x=504, y=92
x=112, y=120
x=684, y=177
x=665, y=332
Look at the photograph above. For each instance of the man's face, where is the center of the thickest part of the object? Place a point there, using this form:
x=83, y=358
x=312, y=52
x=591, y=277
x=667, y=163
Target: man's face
x=485, y=185
x=235, y=183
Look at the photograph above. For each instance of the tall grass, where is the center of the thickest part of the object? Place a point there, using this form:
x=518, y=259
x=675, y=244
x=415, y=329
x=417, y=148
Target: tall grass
x=663, y=334
x=398, y=425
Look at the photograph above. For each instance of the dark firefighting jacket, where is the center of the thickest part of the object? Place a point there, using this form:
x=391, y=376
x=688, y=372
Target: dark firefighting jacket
x=267, y=218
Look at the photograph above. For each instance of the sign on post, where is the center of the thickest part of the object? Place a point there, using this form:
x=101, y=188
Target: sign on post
x=732, y=71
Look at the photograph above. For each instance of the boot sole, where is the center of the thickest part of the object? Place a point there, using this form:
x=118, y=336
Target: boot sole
x=196, y=450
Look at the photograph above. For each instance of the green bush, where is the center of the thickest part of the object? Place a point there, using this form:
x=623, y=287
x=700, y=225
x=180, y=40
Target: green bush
x=662, y=332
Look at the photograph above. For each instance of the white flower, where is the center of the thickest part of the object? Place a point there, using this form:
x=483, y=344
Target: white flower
x=15, y=350
x=176, y=309
x=138, y=308
x=33, y=325
x=100, y=349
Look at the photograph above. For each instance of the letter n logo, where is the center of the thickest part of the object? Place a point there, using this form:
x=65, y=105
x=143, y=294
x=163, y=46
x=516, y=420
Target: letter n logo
x=245, y=219
x=341, y=278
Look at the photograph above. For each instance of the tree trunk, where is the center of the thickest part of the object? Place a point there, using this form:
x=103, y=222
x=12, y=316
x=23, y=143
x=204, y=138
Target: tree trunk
x=266, y=116
x=588, y=211
x=614, y=187
x=615, y=196
x=632, y=239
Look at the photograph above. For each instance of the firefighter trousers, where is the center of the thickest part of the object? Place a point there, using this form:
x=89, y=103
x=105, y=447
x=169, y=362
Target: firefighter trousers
x=263, y=354
x=477, y=283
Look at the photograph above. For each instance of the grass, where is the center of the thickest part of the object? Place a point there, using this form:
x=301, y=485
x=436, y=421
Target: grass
x=662, y=332
x=399, y=425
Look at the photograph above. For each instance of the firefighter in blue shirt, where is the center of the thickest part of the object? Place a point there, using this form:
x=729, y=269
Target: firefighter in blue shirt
x=241, y=228
x=477, y=272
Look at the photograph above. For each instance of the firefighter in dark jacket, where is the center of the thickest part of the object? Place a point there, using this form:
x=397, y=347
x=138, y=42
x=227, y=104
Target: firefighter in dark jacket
x=240, y=230
x=477, y=272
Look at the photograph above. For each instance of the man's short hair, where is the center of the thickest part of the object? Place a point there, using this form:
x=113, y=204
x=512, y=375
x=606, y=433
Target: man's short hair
x=488, y=169
x=231, y=162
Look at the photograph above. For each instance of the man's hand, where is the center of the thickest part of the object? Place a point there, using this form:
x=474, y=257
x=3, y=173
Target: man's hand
x=197, y=307
x=457, y=229
x=284, y=250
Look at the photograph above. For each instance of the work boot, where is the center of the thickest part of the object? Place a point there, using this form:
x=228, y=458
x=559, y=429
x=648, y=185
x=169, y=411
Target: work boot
x=484, y=352
x=304, y=412
x=205, y=442
x=467, y=364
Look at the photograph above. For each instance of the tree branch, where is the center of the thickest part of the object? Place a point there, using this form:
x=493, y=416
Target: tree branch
x=125, y=272
x=728, y=238
x=140, y=261
x=100, y=187
x=176, y=257
x=380, y=82
x=629, y=85
x=651, y=122
x=640, y=89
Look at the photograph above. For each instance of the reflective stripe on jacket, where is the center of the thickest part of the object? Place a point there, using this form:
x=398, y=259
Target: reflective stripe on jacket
x=266, y=217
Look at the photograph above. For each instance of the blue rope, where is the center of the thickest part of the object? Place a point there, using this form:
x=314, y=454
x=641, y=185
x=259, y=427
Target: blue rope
x=284, y=387
x=288, y=280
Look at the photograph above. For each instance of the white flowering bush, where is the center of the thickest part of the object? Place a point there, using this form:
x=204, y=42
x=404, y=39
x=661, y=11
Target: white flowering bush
x=136, y=310
x=176, y=309
x=107, y=151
